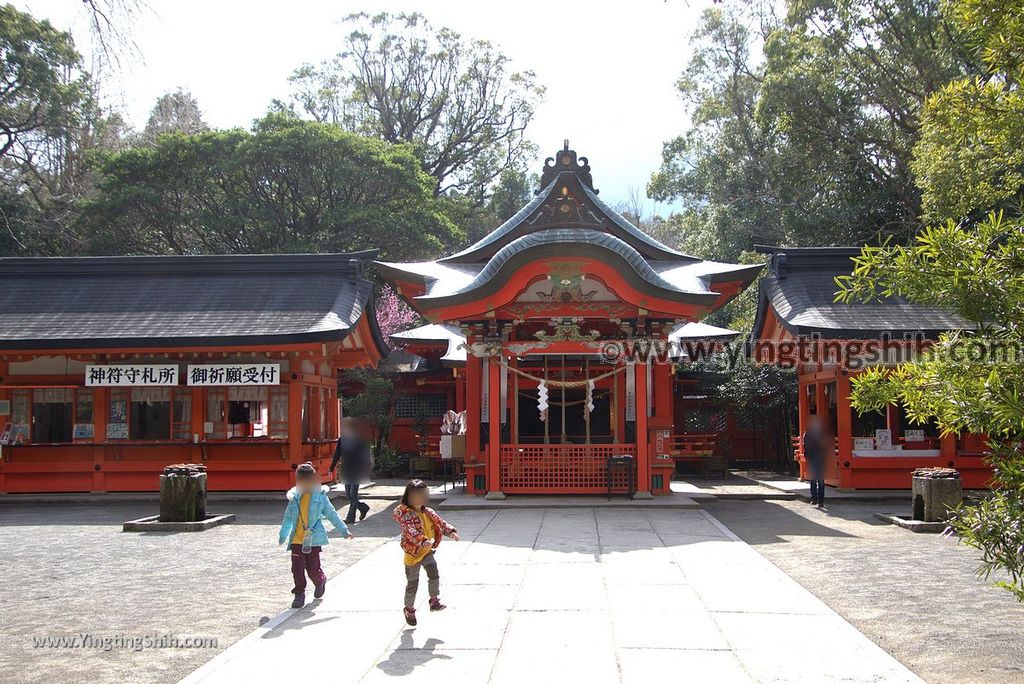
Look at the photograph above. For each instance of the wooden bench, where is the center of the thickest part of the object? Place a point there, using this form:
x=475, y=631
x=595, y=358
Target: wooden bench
x=695, y=448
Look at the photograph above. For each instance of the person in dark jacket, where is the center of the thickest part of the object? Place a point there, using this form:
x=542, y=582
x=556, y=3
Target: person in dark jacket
x=816, y=447
x=353, y=453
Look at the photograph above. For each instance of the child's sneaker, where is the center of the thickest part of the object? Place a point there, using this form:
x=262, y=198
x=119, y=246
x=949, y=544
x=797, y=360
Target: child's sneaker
x=435, y=604
x=319, y=589
x=410, y=616
x=300, y=599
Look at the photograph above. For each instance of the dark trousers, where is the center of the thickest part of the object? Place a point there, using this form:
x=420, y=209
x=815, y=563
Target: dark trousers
x=354, y=504
x=412, y=579
x=306, y=563
x=817, y=488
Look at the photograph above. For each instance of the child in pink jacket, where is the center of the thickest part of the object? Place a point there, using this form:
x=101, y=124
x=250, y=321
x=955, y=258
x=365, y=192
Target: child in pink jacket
x=422, y=530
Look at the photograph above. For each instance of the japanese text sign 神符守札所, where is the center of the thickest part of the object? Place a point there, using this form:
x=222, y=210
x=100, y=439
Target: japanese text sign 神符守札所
x=133, y=375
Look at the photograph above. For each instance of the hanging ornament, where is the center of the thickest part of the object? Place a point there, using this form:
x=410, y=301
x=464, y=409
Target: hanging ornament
x=590, y=396
x=542, y=400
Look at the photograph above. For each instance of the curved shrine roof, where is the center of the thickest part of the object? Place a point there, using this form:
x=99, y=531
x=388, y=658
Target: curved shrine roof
x=567, y=219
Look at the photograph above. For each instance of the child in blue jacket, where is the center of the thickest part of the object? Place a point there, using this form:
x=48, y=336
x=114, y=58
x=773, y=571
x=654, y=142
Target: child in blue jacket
x=303, y=524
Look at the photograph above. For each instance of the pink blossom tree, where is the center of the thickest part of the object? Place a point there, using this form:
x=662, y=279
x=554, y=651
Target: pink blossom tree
x=393, y=314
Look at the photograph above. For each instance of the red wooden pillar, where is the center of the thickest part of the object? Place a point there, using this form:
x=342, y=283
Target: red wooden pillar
x=198, y=422
x=460, y=390
x=821, y=400
x=295, y=390
x=804, y=406
x=643, y=455
x=100, y=407
x=494, y=428
x=619, y=391
x=947, y=447
x=4, y=394
x=663, y=391
x=473, y=397
x=844, y=429
x=333, y=413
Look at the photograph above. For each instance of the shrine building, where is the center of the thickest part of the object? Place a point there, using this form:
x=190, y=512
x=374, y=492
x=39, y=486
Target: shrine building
x=557, y=307
x=113, y=367
x=874, y=450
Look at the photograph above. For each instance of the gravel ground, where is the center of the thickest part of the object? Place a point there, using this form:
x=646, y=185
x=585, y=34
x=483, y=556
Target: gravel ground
x=915, y=595
x=67, y=569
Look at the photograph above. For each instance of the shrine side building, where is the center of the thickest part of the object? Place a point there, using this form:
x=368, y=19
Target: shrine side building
x=113, y=367
x=874, y=450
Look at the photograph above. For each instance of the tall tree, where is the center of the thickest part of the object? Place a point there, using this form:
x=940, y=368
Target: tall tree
x=288, y=186
x=803, y=127
x=720, y=167
x=50, y=123
x=969, y=161
x=37, y=97
x=174, y=112
x=454, y=100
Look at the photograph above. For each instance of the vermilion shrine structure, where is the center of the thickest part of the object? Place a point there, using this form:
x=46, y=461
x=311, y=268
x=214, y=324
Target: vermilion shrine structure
x=113, y=367
x=876, y=450
x=548, y=303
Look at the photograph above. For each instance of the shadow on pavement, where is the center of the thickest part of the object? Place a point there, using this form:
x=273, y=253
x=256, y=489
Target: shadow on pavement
x=769, y=522
x=404, y=659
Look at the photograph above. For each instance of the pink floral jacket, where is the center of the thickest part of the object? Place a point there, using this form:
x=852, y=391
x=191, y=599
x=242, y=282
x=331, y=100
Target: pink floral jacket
x=412, y=528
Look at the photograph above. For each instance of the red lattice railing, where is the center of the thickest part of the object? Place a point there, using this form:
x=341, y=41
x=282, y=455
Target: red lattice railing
x=561, y=468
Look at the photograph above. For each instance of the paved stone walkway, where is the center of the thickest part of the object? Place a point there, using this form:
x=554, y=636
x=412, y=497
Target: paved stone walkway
x=915, y=595
x=568, y=595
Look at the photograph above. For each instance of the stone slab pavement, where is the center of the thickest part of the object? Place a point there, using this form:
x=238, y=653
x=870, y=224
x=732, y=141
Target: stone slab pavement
x=557, y=595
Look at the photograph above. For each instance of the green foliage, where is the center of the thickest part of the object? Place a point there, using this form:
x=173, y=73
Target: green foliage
x=37, y=97
x=803, y=127
x=389, y=462
x=288, y=186
x=968, y=381
x=767, y=394
x=373, y=403
x=453, y=99
x=969, y=161
x=51, y=123
x=751, y=387
x=174, y=112
x=996, y=525
x=971, y=154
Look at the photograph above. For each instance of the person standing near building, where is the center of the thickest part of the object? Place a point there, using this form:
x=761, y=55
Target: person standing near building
x=353, y=453
x=816, y=446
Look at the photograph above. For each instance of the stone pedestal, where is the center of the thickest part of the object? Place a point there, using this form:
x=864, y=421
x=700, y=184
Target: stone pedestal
x=936, y=493
x=183, y=493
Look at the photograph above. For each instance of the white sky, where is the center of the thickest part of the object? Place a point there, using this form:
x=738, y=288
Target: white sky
x=609, y=67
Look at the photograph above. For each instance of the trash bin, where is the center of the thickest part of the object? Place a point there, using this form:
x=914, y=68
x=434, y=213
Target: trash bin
x=183, y=493
x=936, y=492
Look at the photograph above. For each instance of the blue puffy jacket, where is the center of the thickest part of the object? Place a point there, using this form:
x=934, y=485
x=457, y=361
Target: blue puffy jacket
x=320, y=507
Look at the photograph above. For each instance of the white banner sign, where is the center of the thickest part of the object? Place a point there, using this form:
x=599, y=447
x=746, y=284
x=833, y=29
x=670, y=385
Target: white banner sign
x=235, y=374
x=485, y=395
x=913, y=435
x=127, y=376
